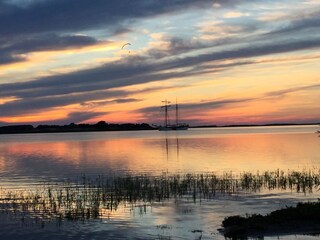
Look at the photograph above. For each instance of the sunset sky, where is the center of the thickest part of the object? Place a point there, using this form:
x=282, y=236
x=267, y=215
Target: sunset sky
x=226, y=61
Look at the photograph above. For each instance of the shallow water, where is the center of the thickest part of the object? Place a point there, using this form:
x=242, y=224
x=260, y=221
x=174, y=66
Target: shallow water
x=28, y=160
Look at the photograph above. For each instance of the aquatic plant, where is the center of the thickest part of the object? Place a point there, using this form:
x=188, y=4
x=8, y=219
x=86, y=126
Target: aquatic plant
x=90, y=197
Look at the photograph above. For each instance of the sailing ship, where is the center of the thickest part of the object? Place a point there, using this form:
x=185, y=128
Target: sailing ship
x=167, y=126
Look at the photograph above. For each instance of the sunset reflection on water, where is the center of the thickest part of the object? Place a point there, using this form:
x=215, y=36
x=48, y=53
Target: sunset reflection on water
x=196, y=150
x=33, y=160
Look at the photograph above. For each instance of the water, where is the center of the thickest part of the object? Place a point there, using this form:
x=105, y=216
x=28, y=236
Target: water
x=30, y=160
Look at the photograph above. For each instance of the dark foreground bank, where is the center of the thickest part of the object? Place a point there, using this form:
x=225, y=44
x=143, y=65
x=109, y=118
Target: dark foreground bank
x=301, y=219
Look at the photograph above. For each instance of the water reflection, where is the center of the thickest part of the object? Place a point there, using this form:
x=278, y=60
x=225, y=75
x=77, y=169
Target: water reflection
x=194, y=151
x=172, y=146
x=35, y=159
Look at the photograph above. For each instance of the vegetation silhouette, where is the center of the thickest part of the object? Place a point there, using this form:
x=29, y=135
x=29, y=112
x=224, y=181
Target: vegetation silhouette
x=72, y=127
x=303, y=218
x=92, y=197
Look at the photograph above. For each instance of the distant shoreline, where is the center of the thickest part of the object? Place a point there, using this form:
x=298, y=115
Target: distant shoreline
x=103, y=126
x=72, y=127
x=254, y=125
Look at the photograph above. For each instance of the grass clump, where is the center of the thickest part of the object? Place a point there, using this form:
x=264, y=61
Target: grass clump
x=304, y=218
x=90, y=197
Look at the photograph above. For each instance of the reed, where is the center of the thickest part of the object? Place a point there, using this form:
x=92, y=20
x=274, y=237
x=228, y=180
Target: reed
x=90, y=197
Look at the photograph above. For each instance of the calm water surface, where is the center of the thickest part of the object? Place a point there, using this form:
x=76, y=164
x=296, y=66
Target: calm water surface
x=28, y=160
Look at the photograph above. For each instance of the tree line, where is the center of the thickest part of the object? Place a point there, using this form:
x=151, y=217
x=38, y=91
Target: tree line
x=72, y=127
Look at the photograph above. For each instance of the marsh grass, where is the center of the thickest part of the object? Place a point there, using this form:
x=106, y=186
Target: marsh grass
x=303, y=218
x=90, y=197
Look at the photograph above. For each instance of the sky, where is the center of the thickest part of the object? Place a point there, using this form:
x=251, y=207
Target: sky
x=224, y=61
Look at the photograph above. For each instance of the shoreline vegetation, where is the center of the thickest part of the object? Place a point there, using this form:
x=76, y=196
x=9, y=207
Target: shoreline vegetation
x=72, y=127
x=103, y=126
x=92, y=197
x=304, y=218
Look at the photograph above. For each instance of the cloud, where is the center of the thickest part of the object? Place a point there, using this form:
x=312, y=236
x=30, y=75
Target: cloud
x=103, y=103
x=236, y=14
x=62, y=16
x=254, y=51
x=54, y=24
x=36, y=104
x=98, y=83
x=72, y=117
x=86, y=99
x=29, y=26
x=77, y=15
x=118, y=74
x=171, y=46
x=12, y=50
x=50, y=25
x=302, y=22
x=192, y=109
x=78, y=117
x=199, y=109
x=281, y=93
x=50, y=42
x=7, y=58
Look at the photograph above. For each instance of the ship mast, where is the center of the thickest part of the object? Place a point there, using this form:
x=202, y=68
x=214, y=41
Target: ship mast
x=166, y=106
x=177, y=117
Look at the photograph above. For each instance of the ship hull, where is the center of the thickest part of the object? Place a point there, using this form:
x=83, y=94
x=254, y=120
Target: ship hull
x=173, y=128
